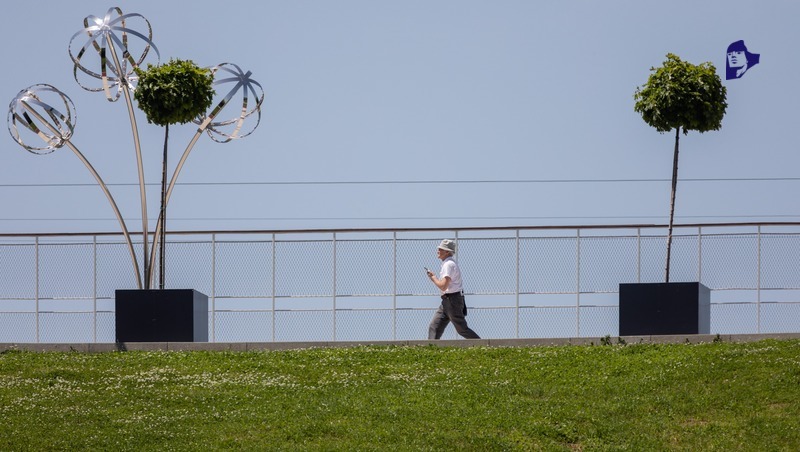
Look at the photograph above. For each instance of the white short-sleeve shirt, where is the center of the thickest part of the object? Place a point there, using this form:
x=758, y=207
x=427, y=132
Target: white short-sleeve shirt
x=450, y=268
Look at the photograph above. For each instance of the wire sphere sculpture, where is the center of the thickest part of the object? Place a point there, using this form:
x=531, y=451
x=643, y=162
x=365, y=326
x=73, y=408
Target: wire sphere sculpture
x=108, y=41
x=251, y=94
x=44, y=111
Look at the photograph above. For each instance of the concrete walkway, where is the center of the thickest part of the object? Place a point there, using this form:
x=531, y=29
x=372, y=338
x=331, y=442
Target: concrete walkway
x=274, y=346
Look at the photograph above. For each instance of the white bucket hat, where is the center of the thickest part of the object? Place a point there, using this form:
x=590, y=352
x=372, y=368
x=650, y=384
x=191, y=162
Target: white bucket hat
x=448, y=245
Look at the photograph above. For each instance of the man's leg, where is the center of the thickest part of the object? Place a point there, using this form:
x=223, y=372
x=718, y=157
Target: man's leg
x=454, y=309
x=438, y=324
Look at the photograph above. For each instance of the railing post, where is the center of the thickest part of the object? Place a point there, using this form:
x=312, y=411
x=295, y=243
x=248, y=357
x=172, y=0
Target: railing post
x=334, y=286
x=274, y=270
x=517, y=288
x=213, y=287
x=638, y=255
x=94, y=288
x=394, y=285
x=758, y=284
x=578, y=284
x=36, y=290
x=700, y=254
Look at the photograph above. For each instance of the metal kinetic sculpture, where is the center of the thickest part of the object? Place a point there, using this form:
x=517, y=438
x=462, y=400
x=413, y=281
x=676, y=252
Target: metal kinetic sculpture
x=42, y=113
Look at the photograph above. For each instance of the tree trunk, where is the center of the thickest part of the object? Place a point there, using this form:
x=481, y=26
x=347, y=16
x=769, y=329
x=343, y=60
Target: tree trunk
x=163, y=237
x=672, y=200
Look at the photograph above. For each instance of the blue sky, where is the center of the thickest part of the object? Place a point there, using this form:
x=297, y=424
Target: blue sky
x=521, y=110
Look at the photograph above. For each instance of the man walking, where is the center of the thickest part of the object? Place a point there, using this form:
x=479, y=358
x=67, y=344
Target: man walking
x=452, y=308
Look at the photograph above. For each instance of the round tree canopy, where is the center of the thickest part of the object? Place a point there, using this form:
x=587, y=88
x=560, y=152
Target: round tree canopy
x=174, y=93
x=681, y=94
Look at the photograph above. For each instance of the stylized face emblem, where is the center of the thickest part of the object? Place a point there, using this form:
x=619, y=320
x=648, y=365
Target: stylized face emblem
x=737, y=59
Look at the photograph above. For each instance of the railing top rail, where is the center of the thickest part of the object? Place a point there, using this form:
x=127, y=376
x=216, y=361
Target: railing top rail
x=421, y=229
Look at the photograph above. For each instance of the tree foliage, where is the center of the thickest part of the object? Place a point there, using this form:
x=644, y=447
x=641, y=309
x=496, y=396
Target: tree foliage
x=174, y=93
x=682, y=95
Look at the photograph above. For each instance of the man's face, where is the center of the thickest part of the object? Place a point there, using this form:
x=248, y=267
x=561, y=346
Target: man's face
x=737, y=59
x=442, y=254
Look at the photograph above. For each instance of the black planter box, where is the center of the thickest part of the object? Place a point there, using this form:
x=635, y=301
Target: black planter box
x=168, y=315
x=664, y=308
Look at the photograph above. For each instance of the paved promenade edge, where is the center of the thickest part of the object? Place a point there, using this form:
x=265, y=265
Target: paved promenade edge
x=278, y=346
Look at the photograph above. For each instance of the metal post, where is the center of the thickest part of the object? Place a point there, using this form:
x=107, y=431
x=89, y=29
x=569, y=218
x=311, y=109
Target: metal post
x=274, y=260
x=334, y=286
x=36, y=290
x=94, y=288
x=213, y=287
x=700, y=254
x=638, y=255
x=758, y=284
x=578, y=285
x=394, y=285
x=517, y=288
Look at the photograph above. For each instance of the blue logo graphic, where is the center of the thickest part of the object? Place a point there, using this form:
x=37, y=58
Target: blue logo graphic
x=739, y=60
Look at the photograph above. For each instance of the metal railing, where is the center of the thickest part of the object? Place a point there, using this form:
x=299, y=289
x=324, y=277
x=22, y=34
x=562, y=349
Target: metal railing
x=350, y=285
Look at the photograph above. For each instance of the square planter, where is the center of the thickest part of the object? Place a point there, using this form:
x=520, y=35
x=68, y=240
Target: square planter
x=664, y=308
x=169, y=315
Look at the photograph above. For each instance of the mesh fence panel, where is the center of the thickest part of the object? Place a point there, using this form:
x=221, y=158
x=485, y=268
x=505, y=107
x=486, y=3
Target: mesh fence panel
x=488, y=266
x=291, y=326
x=730, y=261
x=547, y=322
x=492, y=323
x=67, y=327
x=684, y=261
x=780, y=317
x=243, y=326
x=17, y=327
x=734, y=318
x=18, y=271
x=304, y=268
x=599, y=321
x=653, y=256
x=412, y=324
x=364, y=325
x=115, y=268
x=188, y=265
x=106, y=329
x=364, y=267
x=412, y=256
x=66, y=270
x=780, y=263
x=548, y=265
x=606, y=262
x=243, y=269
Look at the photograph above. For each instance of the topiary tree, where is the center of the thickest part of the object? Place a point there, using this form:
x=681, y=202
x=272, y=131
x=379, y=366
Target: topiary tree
x=172, y=93
x=680, y=95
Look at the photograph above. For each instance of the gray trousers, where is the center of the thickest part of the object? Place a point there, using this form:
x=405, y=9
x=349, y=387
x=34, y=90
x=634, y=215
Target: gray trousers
x=453, y=310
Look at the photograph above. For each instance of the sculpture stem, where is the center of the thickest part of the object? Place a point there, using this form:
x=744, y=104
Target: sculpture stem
x=126, y=89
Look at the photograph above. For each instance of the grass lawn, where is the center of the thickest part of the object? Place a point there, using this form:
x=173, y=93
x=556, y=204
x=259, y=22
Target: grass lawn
x=713, y=396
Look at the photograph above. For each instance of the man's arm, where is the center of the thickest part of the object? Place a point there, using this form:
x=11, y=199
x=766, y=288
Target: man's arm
x=442, y=283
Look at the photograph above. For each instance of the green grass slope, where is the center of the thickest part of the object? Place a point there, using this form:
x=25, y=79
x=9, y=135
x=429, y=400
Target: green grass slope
x=713, y=396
